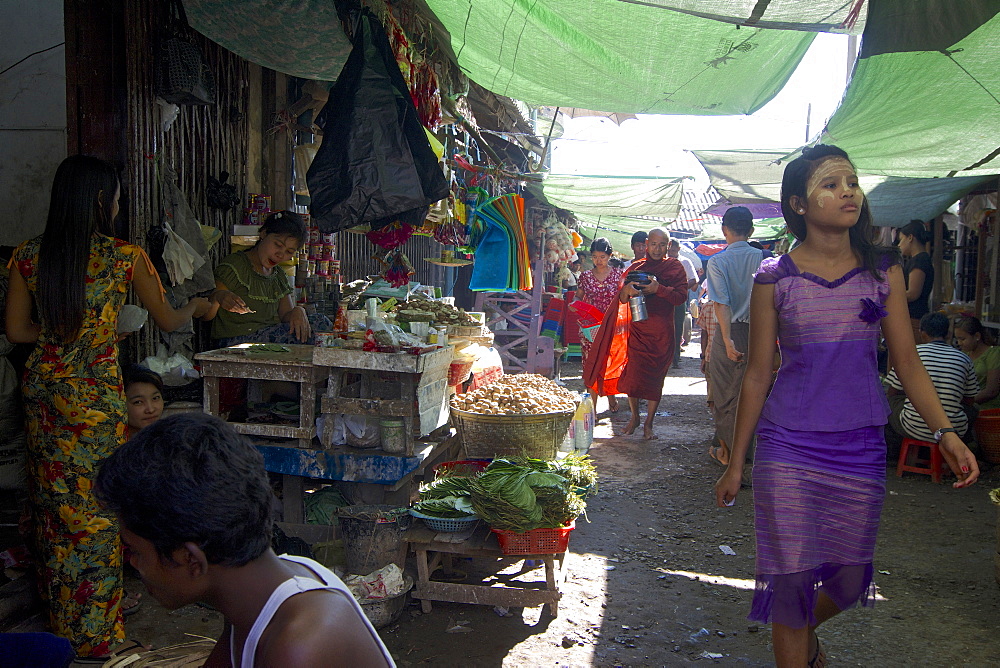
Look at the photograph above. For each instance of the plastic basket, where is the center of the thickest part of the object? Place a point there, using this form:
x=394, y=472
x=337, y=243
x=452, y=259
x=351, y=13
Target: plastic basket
x=590, y=332
x=464, y=467
x=988, y=434
x=492, y=436
x=445, y=524
x=536, y=541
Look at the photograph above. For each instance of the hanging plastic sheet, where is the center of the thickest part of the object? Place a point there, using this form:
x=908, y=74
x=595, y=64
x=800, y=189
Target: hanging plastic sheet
x=375, y=164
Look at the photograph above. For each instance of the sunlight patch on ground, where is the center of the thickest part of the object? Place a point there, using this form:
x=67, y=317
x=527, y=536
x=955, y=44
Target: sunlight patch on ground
x=735, y=583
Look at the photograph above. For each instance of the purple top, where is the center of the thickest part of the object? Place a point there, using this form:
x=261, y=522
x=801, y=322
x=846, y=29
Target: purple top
x=828, y=333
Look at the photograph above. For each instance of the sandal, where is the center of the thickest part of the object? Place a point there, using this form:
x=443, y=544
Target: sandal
x=819, y=658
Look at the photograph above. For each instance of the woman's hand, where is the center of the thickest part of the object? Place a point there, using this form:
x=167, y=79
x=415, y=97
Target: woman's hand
x=228, y=300
x=960, y=459
x=299, y=324
x=728, y=486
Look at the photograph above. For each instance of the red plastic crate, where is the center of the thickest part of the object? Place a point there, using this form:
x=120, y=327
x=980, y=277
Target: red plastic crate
x=536, y=541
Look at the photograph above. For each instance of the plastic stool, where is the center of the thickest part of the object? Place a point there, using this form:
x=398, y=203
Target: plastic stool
x=931, y=468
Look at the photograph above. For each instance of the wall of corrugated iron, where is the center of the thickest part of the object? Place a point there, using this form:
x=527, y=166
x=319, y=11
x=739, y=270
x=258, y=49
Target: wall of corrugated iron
x=203, y=140
x=355, y=252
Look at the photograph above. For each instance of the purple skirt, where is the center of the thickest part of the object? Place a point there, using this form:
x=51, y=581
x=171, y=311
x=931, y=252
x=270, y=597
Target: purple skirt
x=817, y=503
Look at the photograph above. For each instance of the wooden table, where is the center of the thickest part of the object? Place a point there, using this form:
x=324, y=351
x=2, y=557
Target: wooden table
x=417, y=392
x=295, y=366
x=481, y=544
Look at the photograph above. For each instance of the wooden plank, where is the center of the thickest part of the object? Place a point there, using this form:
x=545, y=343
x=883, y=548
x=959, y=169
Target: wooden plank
x=393, y=407
x=273, y=430
x=248, y=369
x=373, y=361
x=480, y=595
x=292, y=499
x=298, y=355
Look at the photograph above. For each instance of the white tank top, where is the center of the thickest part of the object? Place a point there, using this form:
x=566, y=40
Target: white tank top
x=286, y=590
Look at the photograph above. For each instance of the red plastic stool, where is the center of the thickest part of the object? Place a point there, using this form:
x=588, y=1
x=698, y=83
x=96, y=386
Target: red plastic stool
x=931, y=467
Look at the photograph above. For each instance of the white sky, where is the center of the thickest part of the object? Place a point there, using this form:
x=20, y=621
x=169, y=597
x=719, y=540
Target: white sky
x=654, y=145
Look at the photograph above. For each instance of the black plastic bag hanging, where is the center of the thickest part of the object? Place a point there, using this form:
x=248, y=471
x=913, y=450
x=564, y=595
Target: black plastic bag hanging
x=375, y=164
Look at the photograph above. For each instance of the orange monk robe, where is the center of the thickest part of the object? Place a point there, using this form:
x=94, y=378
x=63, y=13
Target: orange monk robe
x=633, y=357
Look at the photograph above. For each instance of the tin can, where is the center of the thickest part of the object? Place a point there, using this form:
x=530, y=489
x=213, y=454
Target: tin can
x=322, y=267
x=316, y=251
x=447, y=255
x=311, y=267
x=314, y=235
x=637, y=305
x=392, y=434
x=329, y=252
x=330, y=238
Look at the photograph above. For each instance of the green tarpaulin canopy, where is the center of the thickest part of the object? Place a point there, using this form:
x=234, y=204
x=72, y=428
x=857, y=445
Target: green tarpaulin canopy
x=614, y=195
x=840, y=16
x=302, y=38
x=924, y=99
x=608, y=55
x=748, y=176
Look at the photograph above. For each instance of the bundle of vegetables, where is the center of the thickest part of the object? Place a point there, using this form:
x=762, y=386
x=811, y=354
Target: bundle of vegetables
x=577, y=469
x=516, y=496
x=447, y=497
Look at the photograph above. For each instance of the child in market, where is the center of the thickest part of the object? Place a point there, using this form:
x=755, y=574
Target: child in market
x=194, y=504
x=253, y=301
x=143, y=397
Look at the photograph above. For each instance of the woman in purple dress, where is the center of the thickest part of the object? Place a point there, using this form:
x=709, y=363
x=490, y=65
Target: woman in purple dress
x=819, y=469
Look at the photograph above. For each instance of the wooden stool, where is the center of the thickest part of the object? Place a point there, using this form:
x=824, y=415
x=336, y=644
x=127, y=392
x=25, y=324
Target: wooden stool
x=931, y=468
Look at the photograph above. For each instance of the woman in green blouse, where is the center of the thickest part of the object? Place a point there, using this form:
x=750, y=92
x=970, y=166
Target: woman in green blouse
x=253, y=297
x=973, y=340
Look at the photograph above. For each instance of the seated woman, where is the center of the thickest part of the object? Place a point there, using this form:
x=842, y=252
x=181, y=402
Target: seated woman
x=974, y=341
x=143, y=397
x=253, y=301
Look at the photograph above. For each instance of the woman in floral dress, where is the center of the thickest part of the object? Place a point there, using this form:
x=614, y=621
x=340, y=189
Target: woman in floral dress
x=599, y=286
x=77, y=276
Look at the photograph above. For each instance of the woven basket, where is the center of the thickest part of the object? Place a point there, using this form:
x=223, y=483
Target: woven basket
x=492, y=436
x=988, y=434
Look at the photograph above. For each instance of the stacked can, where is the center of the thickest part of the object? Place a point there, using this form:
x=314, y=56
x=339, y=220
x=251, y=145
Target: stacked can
x=258, y=206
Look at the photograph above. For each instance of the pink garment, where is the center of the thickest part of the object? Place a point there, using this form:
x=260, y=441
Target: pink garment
x=599, y=293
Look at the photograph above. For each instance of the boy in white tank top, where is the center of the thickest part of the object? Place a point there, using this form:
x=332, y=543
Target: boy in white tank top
x=194, y=504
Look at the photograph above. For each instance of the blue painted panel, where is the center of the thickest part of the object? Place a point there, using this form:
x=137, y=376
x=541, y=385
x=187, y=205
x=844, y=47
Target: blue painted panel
x=325, y=465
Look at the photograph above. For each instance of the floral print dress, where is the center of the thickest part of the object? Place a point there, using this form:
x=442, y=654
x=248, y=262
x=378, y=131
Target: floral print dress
x=75, y=409
x=598, y=293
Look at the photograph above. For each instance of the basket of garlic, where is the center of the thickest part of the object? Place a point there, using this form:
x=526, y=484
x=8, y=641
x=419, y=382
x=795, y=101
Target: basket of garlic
x=519, y=414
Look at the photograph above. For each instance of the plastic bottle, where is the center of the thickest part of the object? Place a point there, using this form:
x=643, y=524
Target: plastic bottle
x=583, y=425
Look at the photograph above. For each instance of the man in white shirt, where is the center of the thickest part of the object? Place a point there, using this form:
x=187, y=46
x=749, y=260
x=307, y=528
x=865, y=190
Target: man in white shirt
x=680, y=311
x=638, y=248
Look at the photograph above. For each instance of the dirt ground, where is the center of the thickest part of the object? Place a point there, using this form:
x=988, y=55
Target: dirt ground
x=648, y=585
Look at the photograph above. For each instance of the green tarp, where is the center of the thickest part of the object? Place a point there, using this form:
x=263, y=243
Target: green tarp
x=619, y=230
x=613, y=195
x=816, y=15
x=748, y=176
x=924, y=100
x=303, y=38
x=608, y=55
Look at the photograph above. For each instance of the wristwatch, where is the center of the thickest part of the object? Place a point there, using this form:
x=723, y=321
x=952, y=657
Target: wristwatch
x=941, y=432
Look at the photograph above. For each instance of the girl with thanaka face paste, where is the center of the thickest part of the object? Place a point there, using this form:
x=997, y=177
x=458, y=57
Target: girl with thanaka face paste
x=819, y=468
x=253, y=300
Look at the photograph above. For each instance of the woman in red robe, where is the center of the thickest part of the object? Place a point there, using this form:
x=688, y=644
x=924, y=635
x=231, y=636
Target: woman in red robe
x=633, y=357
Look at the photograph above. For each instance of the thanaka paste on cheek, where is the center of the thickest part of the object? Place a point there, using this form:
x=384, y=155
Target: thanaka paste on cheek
x=833, y=167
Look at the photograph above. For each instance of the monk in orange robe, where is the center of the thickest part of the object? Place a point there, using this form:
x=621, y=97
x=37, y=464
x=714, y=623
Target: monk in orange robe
x=633, y=357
